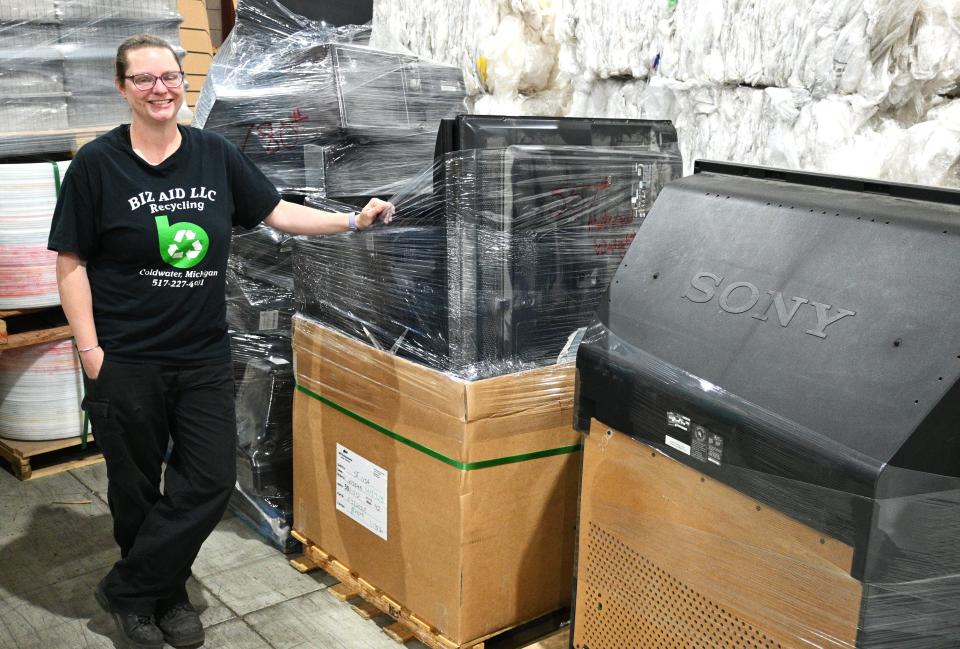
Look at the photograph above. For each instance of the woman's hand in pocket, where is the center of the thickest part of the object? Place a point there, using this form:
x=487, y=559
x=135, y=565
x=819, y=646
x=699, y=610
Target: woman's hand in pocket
x=92, y=361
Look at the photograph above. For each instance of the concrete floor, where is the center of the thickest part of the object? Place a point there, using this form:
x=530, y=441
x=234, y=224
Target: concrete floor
x=56, y=544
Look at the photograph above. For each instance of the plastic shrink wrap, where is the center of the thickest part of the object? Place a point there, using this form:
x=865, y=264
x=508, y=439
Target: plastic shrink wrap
x=436, y=350
x=469, y=501
x=57, y=67
x=500, y=251
x=771, y=391
x=259, y=308
x=260, y=282
x=318, y=112
x=265, y=447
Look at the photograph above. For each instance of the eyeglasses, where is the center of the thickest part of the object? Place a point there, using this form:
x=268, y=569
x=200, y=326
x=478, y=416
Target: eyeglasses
x=146, y=81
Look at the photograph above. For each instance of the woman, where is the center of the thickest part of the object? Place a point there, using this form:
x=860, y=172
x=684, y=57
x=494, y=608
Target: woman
x=142, y=230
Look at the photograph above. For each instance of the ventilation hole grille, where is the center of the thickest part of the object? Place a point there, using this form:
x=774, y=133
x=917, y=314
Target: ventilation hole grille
x=631, y=602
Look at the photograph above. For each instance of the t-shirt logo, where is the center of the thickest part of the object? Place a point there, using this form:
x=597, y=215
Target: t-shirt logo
x=182, y=245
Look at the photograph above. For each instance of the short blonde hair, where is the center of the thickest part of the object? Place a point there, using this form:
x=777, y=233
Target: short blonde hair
x=137, y=42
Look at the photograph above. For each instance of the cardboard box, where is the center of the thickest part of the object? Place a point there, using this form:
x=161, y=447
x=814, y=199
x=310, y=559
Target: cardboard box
x=459, y=498
x=195, y=81
x=194, y=14
x=213, y=15
x=196, y=40
x=197, y=64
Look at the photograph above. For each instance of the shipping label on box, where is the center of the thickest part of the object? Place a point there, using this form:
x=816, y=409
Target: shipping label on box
x=362, y=491
x=269, y=319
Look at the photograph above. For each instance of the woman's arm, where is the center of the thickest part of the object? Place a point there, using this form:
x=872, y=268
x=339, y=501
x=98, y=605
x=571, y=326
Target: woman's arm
x=77, y=304
x=299, y=219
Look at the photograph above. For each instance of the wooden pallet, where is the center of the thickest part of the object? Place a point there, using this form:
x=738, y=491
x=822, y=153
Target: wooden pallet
x=51, y=457
x=559, y=639
x=28, y=459
x=34, y=144
x=407, y=625
x=42, y=146
x=24, y=327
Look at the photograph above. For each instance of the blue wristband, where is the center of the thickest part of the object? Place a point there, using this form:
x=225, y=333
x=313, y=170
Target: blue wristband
x=352, y=221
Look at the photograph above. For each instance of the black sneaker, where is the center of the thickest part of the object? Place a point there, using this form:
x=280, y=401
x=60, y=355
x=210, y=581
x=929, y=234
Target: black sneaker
x=137, y=631
x=181, y=625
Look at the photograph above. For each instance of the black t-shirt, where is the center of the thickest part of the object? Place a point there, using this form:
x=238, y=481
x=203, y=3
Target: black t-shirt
x=156, y=240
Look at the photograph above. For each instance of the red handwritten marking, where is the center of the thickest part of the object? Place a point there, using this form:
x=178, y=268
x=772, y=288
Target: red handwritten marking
x=620, y=245
x=274, y=137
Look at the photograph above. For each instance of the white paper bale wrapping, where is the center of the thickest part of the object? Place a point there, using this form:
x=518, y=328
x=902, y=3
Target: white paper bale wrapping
x=42, y=388
x=28, y=194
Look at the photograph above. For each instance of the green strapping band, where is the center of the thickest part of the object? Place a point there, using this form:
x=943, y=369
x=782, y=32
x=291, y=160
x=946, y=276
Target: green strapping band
x=85, y=428
x=56, y=177
x=463, y=466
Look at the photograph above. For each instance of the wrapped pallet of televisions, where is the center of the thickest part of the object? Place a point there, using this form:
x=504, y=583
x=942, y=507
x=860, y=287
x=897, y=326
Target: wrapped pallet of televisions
x=57, y=67
x=434, y=452
x=319, y=111
x=259, y=308
x=316, y=112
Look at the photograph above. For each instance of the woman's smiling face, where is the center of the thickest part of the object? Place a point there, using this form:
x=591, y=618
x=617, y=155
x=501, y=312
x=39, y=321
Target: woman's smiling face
x=158, y=103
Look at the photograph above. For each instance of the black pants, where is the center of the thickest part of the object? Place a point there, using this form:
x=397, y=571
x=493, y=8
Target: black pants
x=134, y=411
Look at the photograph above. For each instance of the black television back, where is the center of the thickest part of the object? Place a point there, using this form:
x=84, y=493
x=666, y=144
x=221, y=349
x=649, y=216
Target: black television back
x=539, y=212
x=511, y=253
x=497, y=132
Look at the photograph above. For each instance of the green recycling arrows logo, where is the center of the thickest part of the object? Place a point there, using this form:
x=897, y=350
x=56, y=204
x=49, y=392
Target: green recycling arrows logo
x=182, y=245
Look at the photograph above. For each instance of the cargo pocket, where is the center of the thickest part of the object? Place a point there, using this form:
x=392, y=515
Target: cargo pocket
x=90, y=387
x=105, y=430
x=97, y=409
